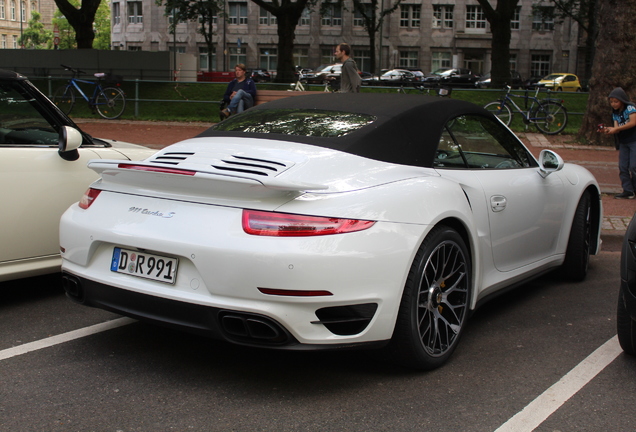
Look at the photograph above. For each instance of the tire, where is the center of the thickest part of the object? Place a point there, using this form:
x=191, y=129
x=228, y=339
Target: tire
x=577, y=255
x=559, y=89
x=501, y=111
x=550, y=118
x=64, y=98
x=626, y=327
x=434, y=306
x=110, y=102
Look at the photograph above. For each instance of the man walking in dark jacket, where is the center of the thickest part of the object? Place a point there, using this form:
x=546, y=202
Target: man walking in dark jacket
x=350, y=78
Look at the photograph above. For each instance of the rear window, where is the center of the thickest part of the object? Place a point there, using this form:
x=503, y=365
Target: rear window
x=310, y=123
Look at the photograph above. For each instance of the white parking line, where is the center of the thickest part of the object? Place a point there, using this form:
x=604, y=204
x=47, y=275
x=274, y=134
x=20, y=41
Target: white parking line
x=64, y=337
x=553, y=398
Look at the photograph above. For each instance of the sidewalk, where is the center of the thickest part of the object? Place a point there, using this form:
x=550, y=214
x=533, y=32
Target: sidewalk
x=600, y=161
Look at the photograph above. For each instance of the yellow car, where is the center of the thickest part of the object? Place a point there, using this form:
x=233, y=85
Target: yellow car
x=561, y=82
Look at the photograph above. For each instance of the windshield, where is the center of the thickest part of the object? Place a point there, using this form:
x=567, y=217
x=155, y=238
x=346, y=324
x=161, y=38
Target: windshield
x=553, y=77
x=441, y=71
x=302, y=122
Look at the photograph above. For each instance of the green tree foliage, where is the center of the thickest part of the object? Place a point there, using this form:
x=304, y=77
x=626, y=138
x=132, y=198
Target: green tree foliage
x=81, y=20
x=499, y=19
x=35, y=36
x=203, y=11
x=101, y=28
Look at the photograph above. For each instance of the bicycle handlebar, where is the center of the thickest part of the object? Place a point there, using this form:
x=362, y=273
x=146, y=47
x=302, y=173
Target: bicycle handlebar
x=74, y=71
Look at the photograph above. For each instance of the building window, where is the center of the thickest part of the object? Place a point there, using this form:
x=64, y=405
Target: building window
x=332, y=16
x=116, y=14
x=440, y=60
x=410, y=15
x=171, y=48
x=513, y=62
x=135, y=12
x=475, y=19
x=2, y=10
x=363, y=59
x=12, y=10
x=358, y=18
x=238, y=13
x=4, y=41
x=23, y=15
x=327, y=56
x=443, y=16
x=15, y=42
x=204, y=57
x=515, y=23
x=540, y=65
x=304, y=17
x=543, y=19
x=266, y=18
x=237, y=55
x=268, y=58
x=301, y=57
x=408, y=59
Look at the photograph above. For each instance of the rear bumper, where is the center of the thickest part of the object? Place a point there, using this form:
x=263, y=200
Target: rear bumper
x=232, y=326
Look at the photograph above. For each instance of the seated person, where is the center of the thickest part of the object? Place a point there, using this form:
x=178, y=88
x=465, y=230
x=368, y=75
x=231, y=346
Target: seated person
x=240, y=93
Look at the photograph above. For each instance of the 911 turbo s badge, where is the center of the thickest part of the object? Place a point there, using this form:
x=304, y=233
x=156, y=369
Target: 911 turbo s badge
x=150, y=212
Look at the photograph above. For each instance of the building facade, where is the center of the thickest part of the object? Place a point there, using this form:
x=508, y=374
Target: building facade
x=419, y=34
x=15, y=16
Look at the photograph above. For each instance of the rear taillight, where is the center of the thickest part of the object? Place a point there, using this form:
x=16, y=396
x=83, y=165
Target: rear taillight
x=290, y=225
x=89, y=196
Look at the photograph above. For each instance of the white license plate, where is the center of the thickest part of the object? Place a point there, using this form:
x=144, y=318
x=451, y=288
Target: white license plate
x=145, y=265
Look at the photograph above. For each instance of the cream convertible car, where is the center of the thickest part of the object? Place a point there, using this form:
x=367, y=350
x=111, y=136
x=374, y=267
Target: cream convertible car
x=330, y=221
x=43, y=157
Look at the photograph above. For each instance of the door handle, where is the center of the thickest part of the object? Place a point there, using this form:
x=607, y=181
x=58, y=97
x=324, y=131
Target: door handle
x=497, y=203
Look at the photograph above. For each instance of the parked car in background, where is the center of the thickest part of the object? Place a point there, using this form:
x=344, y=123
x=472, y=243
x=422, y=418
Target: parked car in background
x=398, y=77
x=322, y=74
x=452, y=77
x=260, y=75
x=626, y=310
x=331, y=221
x=515, y=81
x=43, y=157
x=561, y=82
x=531, y=83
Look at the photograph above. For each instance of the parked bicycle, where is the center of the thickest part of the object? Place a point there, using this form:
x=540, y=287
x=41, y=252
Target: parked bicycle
x=108, y=101
x=549, y=116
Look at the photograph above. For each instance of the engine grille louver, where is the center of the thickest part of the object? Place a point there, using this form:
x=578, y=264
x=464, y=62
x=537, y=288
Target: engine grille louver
x=233, y=163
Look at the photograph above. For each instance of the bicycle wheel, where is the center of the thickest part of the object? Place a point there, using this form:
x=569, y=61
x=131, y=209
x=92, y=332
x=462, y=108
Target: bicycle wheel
x=64, y=98
x=110, y=102
x=550, y=118
x=501, y=110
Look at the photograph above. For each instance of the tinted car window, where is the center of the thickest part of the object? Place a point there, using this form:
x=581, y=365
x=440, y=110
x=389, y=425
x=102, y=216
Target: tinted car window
x=476, y=142
x=21, y=122
x=310, y=123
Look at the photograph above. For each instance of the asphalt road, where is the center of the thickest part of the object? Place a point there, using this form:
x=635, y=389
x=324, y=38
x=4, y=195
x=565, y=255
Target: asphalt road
x=137, y=377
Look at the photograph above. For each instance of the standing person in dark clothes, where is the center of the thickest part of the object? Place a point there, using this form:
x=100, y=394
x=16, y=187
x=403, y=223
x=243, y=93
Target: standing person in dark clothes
x=240, y=93
x=350, y=80
x=624, y=117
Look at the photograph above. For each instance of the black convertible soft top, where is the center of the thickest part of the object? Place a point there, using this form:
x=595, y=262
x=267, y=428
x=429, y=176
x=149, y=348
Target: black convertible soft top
x=406, y=130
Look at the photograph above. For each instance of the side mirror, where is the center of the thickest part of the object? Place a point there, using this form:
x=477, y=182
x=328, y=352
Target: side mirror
x=549, y=162
x=69, y=142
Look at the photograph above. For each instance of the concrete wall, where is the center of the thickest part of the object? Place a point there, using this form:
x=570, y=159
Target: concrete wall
x=130, y=64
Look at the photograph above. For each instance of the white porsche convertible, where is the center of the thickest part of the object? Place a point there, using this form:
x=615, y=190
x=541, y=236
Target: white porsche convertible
x=330, y=221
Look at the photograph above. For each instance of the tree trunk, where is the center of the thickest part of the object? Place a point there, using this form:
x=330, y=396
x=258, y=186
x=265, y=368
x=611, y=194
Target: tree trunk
x=499, y=20
x=286, y=28
x=81, y=20
x=614, y=66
